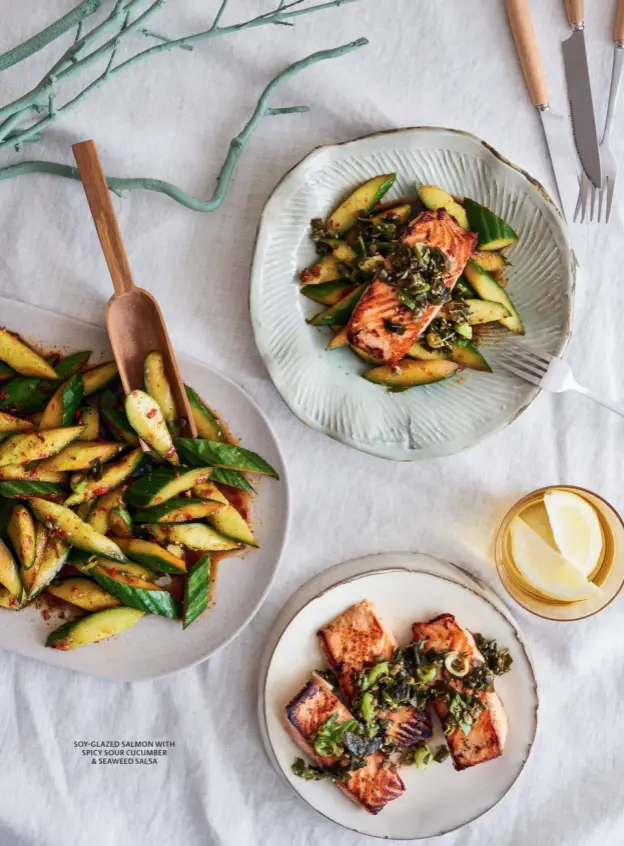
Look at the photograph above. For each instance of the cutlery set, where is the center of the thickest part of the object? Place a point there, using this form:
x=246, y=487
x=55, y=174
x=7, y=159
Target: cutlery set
x=599, y=167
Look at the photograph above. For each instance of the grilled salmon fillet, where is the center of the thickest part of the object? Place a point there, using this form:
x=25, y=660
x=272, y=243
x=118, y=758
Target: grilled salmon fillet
x=367, y=327
x=372, y=786
x=486, y=739
x=354, y=641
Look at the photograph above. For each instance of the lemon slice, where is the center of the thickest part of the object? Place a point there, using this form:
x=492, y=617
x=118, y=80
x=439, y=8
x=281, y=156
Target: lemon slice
x=545, y=570
x=576, y=529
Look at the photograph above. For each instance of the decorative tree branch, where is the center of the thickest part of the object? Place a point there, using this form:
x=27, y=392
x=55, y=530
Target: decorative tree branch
x=101, y=43
x=237, y=144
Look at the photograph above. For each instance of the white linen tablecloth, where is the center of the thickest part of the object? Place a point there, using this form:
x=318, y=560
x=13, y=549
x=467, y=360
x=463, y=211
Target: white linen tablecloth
x=429, y=62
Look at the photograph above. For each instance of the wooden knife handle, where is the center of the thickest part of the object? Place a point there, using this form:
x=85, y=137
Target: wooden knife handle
x=103, y=213
x=528, y=50
x=575, y=11
x=619, y=23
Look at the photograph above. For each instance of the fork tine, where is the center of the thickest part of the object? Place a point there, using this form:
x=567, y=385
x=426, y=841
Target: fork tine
x=584, y=192
x=610, y=187
x=593, y=200
x=601, y=197
x=523, y=365
x=537, y=361
x=543, y=357
x=528, y=377
x=579, y=205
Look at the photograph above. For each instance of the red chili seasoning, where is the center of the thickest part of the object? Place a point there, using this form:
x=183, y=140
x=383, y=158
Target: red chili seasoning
x=151, y=413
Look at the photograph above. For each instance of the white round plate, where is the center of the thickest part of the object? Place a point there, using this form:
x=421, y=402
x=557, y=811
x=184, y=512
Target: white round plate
x=403, y=596
x=325, y=389
x=156, y=646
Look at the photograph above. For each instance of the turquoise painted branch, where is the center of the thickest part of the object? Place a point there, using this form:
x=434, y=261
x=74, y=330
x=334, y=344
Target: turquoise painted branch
x=237, y=144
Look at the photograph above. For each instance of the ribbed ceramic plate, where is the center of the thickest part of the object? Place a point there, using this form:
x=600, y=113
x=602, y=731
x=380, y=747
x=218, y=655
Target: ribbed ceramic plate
x=157, y=646
x=441, y=799
x=325, y=389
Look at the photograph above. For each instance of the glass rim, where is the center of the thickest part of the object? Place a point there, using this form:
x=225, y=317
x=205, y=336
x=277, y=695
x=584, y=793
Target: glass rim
x=502, y=570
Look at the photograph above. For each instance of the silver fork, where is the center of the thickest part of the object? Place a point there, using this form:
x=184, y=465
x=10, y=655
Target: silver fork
x=607, y=159
x=547, y=372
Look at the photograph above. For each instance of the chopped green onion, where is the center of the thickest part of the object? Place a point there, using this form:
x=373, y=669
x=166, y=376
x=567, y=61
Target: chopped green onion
x=367, y=707
x=457, y=664
x=427, y=672
x=377, y=671
x=423, y=757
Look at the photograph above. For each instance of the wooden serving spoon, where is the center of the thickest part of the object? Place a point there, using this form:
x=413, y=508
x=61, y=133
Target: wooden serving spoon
x=134, y=321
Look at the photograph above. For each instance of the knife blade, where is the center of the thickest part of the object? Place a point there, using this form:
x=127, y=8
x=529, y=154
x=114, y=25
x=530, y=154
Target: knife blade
x=580, y=96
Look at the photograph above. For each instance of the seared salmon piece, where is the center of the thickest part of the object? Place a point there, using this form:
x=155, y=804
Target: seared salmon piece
x=367, y=329
x=355, y=641
x=372, y=786
x=486, y=739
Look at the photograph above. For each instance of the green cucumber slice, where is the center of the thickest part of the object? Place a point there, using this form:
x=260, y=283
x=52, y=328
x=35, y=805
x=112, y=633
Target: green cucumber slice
x=147, y=420
x=231, y=524
x=26, y=473
x=152, y=601
x=196, y=591
x=99, y=377
x=360, y=202
x=226, y=455
x=158, y=387
x=412, y=373
x=93, y=628
x=9, y=574
x=420, y=352
x=494, y=232
x=491, y=261
x=177, y=510
x=340, y=312
x=467, y=355
x=83, y=593
x=30, y=395
x=192, y=535
x=22, y=449
x=63, y=405
x=6, y=372
x=397, y=214
x=435, y=198
x=21, y=533
x=82, y=455
x=31, y=488
x=163, y=484
x=120, y=522
x=10, y=425
x=205, y=421
x=464, y=330
x=112, y=476
x=102, y=507
x=485, y=311
x=488, y=289
x=24, y=360
x=52, y=562
x=327, y=293
x=225, y=476
x=90, y=422
x=116, y=420
x=152, y=556
x=324, y=270
x=68, y=525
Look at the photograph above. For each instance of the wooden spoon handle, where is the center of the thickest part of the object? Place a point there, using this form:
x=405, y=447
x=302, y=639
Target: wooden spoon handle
x=619, y=23
x=528, y=50
x=575, y=11
x=103, y=213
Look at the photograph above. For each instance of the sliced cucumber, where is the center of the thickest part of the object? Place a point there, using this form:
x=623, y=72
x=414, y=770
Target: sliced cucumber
x=90, y=422
x=488, y=289
x=435, y=198
x=158, y=387
x=20, y=357
x=9, y=575
x=68, y=525
x=420, y=352
x=340, y=339
x=83, y=593
x=133, y=574
x=360, y=202
x=117, y=422
x=52, y=562
x=83, y=511
x=464, y=330
x=21, y=533
x=231, y=524
x=102, y=507
x=93, y=628
x=22, y=449
x=327, y=293
x=28, y=576
x=21, y=488
x=192, y=535
x=205, y=421
x=226, y=455
x=147, y=420
x=489, y=261
x=112, y=476
x=30, y=395
x=152, y=556
x=120, y=522
x=324, y=270
x=163, y=484
x=196, y=591
x=99, y=377
x=494, y=233
x=485, y=311
x=340, y=312
x=209, y=491
x=341, y=251
x=411, y=374
x=178, y=510
x=82, y=455
x=153, y=601
x=10, y=425
x=395, y=214
x=6, y=372
x=225, y=476
x=62, y=407
x=467, y=355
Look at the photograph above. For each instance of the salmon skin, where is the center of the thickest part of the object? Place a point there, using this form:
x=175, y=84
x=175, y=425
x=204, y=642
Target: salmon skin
x=367, y=328
x=371, y=786
x=486, y=739
x=353, y=642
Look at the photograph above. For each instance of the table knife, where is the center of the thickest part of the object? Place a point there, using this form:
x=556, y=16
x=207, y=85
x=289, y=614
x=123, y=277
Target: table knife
x=558, y=141
x=579, y=93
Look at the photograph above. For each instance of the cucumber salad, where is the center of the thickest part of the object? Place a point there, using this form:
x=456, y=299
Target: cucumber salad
x=91, y=517
x=382, y=272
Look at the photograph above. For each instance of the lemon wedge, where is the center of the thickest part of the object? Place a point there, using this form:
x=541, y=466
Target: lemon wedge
x=545, y=570
x=576, y=529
